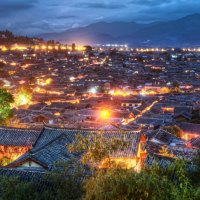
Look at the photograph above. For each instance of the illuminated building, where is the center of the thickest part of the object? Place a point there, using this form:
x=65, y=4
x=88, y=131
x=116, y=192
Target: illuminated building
x=52, y=140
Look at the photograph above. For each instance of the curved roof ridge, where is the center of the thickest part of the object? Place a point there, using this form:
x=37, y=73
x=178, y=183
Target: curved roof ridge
x=21, y=129
x=82, y=129
x=49, y=143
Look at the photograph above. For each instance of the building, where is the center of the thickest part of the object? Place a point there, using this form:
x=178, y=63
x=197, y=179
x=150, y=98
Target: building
x=190, y=130
x=15, y=142
x=51, y=147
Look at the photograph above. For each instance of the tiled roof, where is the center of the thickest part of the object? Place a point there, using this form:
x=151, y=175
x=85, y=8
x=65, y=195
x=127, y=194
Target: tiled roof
x=164, y=136
x=162, y=161
x=48, y=134
x=30, y=176
x=190, y=128
x=195, y=142
x=17, y=137
x=24, y=174
x=51, y=145
x=153, y=121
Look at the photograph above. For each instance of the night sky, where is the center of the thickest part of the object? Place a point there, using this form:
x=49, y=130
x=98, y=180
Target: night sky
x=38, y=16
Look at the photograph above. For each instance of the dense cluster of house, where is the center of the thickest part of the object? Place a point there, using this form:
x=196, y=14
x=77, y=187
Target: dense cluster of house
x=68, y=88
x=139, y=95
x=33, y=152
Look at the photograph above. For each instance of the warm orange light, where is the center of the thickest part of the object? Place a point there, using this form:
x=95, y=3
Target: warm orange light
x=104, y=114
x=119, y=93
x=13, y=63
x=63, y=48
x=4, y=49
x=163, y=90
x=57, y=114
x=50, y=47
x=22, y=98
x=43, y=47
x=48, y=81
x=126, y=163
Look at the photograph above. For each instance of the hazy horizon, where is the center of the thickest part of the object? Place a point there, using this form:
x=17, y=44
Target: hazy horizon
x=32, y=17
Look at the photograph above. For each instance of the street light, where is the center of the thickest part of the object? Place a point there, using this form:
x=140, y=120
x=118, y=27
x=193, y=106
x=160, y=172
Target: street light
x=105, y=114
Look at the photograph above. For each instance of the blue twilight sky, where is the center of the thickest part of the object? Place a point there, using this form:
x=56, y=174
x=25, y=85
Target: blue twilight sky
x=39, y=16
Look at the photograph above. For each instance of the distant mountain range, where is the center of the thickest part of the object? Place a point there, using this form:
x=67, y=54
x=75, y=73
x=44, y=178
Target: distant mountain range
x=181, y=32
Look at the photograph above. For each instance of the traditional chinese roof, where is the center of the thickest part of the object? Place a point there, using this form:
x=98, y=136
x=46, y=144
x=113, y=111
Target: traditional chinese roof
x=190, y=128
x=17, y=137
x=195, y=142
x=30, y=176
x=164, y=136
x=150, y=121
x=181, y=109
x=183, y=114
x=51, y=145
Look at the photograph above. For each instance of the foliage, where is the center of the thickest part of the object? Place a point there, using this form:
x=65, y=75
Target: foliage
x=195, y=175
x=96, y=147
x=176, y=88
x=5, y=105
x=66, y=180
x=5, y=161
x=155, y=183
x=55, y=185
x=73, y=180
x=175, y=130
x=10, y=39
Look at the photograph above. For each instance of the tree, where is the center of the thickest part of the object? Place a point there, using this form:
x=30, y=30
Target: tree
x=175, y=84
x=5, y=161
x=116, y=182
x=6, y=99
x=195, y=175
x=57, y=184
x=157, y=182
x=176, y=87
x=96, y=147
x=124, y=184
x=71, y=180
x=175, y=130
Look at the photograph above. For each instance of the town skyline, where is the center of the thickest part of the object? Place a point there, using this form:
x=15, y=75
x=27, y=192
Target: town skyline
x=100, y=100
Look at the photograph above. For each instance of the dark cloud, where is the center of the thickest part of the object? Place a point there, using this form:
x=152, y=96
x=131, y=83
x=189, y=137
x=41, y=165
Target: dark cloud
x=66, y=17
x=37, y=16
x=150, y=2
x=174, y=10
x=101, y=5
x=8, y=7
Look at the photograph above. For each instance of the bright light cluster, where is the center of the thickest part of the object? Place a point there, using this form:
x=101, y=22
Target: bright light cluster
x=119, y=93
x=23, y=98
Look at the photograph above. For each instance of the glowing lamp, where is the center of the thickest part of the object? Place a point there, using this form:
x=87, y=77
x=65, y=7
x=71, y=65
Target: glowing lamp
x=48, y=81
x=93, y=90
x=72, y=78
x=57, y=114
x=22, y=100
x=104, y=114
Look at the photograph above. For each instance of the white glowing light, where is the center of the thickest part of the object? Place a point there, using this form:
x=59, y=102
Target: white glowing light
x=93, y=90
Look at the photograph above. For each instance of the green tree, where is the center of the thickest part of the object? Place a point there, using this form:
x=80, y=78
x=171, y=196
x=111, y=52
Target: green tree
x=5, y=161
x=176, y=87
x=175, y=130
x=195, y=175
x=57, y=184
x=6, y=99
x=157, y=182
x=96, y=147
